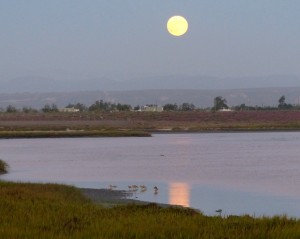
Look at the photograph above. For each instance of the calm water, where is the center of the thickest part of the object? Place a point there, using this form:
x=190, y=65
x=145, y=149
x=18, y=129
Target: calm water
x=253, y=173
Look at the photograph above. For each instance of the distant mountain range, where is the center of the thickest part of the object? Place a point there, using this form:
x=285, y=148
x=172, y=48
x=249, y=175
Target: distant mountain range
x=44, y=84
x=36, y=91
x=199, y=97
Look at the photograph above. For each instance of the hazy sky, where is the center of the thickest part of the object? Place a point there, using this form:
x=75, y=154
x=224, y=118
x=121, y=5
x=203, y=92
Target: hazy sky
x=120, y=39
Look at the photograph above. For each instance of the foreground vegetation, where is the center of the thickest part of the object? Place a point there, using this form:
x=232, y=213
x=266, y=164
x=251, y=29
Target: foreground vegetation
x=3, y=167
x=57, y=211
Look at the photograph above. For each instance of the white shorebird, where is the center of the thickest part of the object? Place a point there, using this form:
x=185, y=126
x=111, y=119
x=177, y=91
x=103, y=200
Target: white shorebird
x=133, y=187
x=143, y=188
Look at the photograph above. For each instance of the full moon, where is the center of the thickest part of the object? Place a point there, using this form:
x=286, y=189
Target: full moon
x=177, y=25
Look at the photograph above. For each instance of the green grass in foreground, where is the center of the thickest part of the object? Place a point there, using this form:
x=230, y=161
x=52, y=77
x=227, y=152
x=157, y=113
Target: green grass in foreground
x=57, y=211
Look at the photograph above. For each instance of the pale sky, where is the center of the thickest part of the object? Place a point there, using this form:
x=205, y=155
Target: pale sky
x=122, y=39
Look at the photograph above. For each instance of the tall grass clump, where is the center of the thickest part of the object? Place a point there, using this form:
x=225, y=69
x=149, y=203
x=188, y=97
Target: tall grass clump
x=3, y=167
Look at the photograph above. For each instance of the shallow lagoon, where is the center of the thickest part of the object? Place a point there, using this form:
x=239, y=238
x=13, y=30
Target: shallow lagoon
x=252, y=173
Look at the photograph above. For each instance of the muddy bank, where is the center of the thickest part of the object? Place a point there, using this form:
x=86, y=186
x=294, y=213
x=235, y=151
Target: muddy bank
x=110, y=198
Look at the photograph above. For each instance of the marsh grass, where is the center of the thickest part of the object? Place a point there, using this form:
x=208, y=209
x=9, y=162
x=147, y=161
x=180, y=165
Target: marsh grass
x=72, y=133
x=3, y=167
x=196, y=121
x=57, y=211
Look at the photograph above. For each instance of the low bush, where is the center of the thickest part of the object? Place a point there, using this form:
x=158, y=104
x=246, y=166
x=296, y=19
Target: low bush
x=3, y=167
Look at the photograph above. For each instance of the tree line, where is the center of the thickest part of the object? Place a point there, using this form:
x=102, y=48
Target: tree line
x=97, y=106
x=219, y=103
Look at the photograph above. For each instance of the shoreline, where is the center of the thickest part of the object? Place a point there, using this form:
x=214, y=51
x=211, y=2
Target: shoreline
x=110, y=198
x=212, y=131
x=142, y=133
x=70, y=134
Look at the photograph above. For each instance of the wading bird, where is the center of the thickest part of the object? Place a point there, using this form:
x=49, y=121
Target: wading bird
x=219, y=211
x=143, y=188
x=155, y=190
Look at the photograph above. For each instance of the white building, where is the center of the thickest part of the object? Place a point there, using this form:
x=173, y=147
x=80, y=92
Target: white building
x=69, y=110
x=153, y=108
x=225, y=110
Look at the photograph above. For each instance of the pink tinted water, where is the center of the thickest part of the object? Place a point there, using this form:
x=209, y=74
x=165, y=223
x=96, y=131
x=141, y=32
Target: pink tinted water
x=240, y=172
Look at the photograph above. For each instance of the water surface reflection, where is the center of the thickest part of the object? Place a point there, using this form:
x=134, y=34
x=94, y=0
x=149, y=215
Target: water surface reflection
x=237, y=172
x=179, y=194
